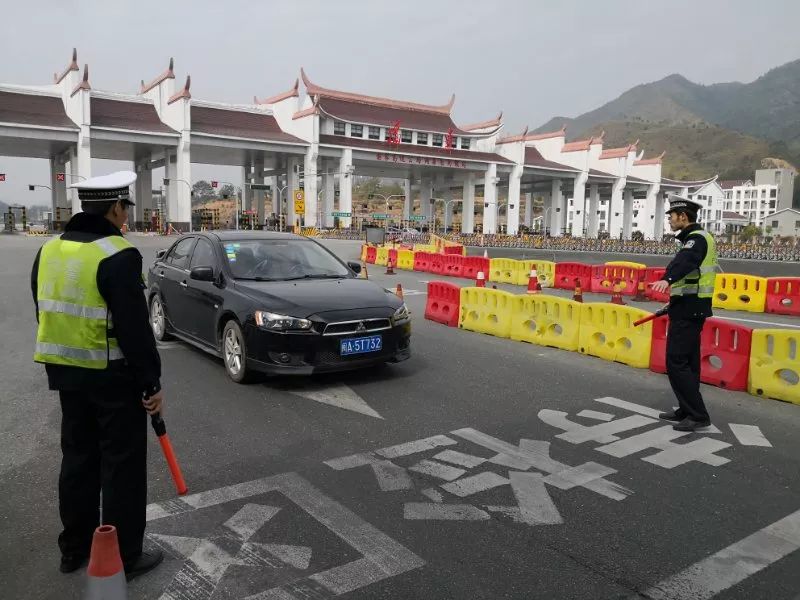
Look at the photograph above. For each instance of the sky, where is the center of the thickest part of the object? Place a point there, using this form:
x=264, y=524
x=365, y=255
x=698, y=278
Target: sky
x=532, y=59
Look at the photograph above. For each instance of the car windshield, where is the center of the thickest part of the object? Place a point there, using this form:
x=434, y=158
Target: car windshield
x=282, y=260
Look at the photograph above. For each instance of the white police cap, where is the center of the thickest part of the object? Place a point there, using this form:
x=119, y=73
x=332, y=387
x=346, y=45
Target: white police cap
x=683, y=204
x=107, y=187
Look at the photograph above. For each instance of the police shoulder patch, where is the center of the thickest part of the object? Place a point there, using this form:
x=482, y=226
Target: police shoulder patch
x=689, y=244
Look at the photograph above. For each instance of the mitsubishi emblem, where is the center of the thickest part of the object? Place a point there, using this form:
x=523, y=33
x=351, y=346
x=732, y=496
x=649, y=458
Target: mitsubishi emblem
x=361, y=327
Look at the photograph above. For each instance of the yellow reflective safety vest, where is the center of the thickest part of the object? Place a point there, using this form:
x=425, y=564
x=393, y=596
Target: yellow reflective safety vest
x=700, y=282
x=74, y=321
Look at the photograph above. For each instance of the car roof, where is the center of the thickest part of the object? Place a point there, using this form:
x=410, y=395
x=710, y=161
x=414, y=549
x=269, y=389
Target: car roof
x=224, y=235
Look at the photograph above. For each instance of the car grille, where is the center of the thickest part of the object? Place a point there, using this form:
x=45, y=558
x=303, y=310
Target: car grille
x=355, y=327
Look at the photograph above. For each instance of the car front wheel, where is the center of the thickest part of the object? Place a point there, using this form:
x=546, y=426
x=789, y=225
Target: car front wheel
x=234, y=353
x=158, y=320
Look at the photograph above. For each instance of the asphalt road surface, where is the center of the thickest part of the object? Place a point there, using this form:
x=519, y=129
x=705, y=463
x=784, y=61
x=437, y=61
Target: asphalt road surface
x=479, y=468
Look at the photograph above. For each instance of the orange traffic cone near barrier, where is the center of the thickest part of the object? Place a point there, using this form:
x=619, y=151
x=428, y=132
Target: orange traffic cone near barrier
x=389, y=267
x=640, y=293
x=616, y=296
x=399, y=291
x=106, y=576
x=578, y=295
x=534, y=287
x=480, y=280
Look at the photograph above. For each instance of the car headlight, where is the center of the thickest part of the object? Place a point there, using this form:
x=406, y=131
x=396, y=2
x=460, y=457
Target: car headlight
x=401, y=314
x=273, y=322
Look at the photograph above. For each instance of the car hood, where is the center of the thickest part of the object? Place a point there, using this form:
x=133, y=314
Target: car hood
x=307, y=297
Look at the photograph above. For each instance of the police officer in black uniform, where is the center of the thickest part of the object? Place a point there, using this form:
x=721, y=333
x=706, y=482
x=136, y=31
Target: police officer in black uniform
x=104, y=410
x=690, y=278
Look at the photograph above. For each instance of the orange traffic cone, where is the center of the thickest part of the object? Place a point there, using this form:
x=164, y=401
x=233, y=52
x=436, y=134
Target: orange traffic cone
x=616, y=296
x=480, y=280
x=578, y=295
x=640, y=292
x=389, y=267
x=399, y=291
x=534, y=287
x=485, y=253
x=106, y=576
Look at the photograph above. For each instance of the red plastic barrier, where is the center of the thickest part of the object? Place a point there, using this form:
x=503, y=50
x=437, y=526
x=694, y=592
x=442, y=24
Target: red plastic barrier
x=567, y=272
x=454, y=250
x=393, y=257
x=437, y=264
x=422, y=261
x=783, y=296
x=444, y=303
x=604, y=276
x=372, y=253
x=724, y=352
x=651, y=275
x=470, y=265
x=453, y=265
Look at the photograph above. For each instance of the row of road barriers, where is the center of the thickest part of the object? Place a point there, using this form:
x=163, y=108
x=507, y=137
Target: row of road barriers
x=764, y=362
x=732, y=291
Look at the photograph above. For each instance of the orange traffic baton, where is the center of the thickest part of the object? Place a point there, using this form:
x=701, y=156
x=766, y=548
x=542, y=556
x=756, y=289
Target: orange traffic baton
x=166, y=447
x=655, y=315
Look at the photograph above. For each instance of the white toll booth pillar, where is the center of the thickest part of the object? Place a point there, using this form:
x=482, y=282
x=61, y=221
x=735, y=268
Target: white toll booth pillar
x=659, y=217
x=557, y=215
x=593, y=210
x=293, y=181
x=408, y=204
x=328, y=193
x=468, y=205
x=528, y=209
x=346, y=187
x=311, y=186
x=512, y=210
x=490, y=199
x=579, y=205
x=616, y=208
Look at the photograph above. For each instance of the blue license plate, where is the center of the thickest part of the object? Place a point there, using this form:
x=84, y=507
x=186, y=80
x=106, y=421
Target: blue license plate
x=373, y=343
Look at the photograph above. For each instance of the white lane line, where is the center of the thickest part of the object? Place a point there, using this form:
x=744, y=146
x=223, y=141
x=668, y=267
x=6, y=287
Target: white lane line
x=416, y=446
x=476, y=483
x=772, y=323
x=593, y=414
x=437, y=469
x=459, y=458
x=749, y=435
x=731, y=565
x=352, y=461
x=443, y=512
x=637, y=408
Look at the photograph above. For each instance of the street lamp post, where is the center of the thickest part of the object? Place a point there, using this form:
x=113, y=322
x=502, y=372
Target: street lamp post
x=386, y=199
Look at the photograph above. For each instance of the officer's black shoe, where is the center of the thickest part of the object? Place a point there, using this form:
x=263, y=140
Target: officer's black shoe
x=673, y=415
x=146, y=562
x=72, y=562
x=690, y=425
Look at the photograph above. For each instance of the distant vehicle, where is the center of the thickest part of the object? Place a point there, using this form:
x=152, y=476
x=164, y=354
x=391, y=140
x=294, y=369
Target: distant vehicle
x=274, y=303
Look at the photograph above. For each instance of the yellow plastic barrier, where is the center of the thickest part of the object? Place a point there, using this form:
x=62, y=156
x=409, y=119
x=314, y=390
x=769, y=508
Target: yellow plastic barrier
x=626, y=263
x=364, y=253
x=734, y=291
x=505, y=270
x=486, y=311
x=545, y=269
x=405, y=260
x=775, y=364
x=607, y=332
x=382, y=256
x=425, y=248
x=546, y=321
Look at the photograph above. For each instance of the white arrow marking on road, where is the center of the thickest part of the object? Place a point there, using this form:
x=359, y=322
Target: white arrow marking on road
x=749, y=435
x=338, y=395
x=298, y=557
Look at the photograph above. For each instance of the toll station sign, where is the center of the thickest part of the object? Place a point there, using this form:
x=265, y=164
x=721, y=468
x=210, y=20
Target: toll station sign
x=432, y=161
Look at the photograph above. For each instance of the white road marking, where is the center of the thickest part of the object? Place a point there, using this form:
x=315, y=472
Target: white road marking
x=749, y=435
x=352, y=461
x=535, y=504
x=637, y=408
x=770, y=323
x=437, y=469
x=298, y=557
x=179, y=546
x=474, y=484
x=382, y=556
x=338, y=395
x=604, y=431
x=459, y=458
x=443, y=512
x=433, y=494
x=391, y=477
x=416, y=446
x=701, y=450
x=732, y=565
x=598, y=416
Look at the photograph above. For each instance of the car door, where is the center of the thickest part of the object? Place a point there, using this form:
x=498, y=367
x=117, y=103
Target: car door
x=203, y=299
x=173, y=275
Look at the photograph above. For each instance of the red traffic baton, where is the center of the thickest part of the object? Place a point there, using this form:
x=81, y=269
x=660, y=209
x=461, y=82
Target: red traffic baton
x=655, y=315
x=166, y=447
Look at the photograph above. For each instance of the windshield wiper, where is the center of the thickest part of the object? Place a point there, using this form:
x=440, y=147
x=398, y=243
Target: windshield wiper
x=254, y=278
x=318, y=276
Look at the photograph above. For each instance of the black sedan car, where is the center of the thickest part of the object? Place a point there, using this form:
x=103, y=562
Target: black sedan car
x=274, y=303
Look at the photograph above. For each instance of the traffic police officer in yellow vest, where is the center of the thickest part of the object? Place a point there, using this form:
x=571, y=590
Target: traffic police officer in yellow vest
x=97, y=346
x=690, y=279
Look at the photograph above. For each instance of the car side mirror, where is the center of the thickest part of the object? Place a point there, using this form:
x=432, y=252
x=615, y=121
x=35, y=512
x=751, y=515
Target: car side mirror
x=202, y=274
x=160, y=253
x=356, y=267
